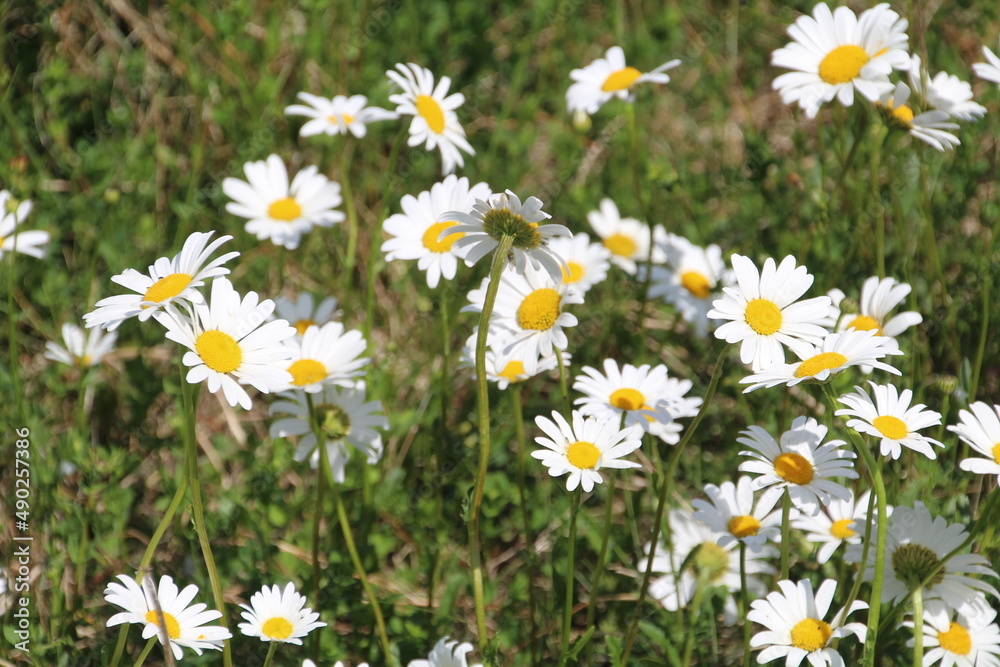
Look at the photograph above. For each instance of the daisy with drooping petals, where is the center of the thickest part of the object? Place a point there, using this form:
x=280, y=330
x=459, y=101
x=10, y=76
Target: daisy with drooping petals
x=416, y=232
x=980, y=429
x=279, y=211
x=607, y=78
x=690, y=279
x=584, y=448
x=730, y=512
x=891, y=418
x=931, y=127
x=507, y=368
x=435, y=123
x=960, y=640
x=279, y=616
x=764, y=314
x=989, y=70
x=840, y=522
x=80, y=351
x=835, y=53
x=638, y=393
x=338, y=115
x=586, y=263
x=446, y=653
x=167, y=281
x=325, y=355
x=945, y=92
x=28, y=243
x=626, y=239
x=185, y=626
x=230, y=343
x=796, y=630
x=304, y=313
x=802, y=463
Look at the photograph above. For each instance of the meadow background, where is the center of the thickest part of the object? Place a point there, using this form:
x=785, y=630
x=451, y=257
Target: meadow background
x=120, y=119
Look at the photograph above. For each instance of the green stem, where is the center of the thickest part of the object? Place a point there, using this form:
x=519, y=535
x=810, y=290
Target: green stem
x=984, y=325
x=689, y=636
x=563, y=381
x=877, y=205
x=522, y=453
x=745, y=600
x=601, y=557
x=15, y=376
x=145, y=652
x=570, y=576
x=918, y=626
x=352, y=214
x=270, y=654
x=866, y=543
x=317, y=513
x=786, y=510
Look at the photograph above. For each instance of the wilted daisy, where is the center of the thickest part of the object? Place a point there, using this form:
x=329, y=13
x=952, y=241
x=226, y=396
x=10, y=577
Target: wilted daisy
x=638, y=393
x=764, y=314
x=891, y=419
x=690, y=279
x=607, y=78
x=507, y=368
x=931, y=127
x=28, y=243
x=304, y=313
x=586, y=263
x=279, y=616
x=989, y=70
x=837, y=352
x=626, y=239
x=446, y=653
x=945, y=92
x=878, y=298
x=279, y=211
x=230, y=343
x=185, y=625
x=802, y=463
x=960, y=640
x=730, y=512
x=325, y=355
x=435, y=123
x=839, y=523
x=834, y=53
x=167, y=281
x=980, y=429
x=80, y=350
x=584, y=448
x=417, y=231
x=338, y=115
x=796, y=629
x=343, y=417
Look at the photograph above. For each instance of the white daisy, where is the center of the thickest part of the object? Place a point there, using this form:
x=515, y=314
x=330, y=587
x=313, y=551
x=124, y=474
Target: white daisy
x=584, y=448
x=945, y=92
x=837, y=352
x=764, y=314
x=690, y=279
x=29, y=243
x=960, y=640
x=279, y=211
x=325, y=355
x=878, y=298
x=416, y=232
x=279, y=616
x=980, y=429
x=80, y=351
x=446, y=654
x=802, y=463
x=796, y=629
x=304, y=313
x=931, y=127
x=167, y=281
x=230, y=343
x=891, y=418
x=338, y=115
x=989, y=70
x=626, y=239
x=730, y=512
x=435, y=123
x=185, y=626
x=586, y=263
x=638, y=393
x=840, y=522
x=511, y=367
x=834, y=53
x=607, y=78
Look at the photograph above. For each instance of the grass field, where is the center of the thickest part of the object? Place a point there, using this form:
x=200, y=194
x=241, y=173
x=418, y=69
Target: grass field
x=120, y=120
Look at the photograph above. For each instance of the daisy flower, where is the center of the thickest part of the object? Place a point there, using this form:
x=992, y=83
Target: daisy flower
x=304, y=313
x=989, y=70
x=638, y=393
x=586, y=263
x=690, y=279
x=511, y=367
x=891, y=418
x=835, y=53
x=279, y=211
x=11, y=215
x=167, y=281
x=837, y=352
x=325, y=355
x=503, y=215
x=764, y=314
x=878, y=298
x=185, y=626
x=607, y=78
x=230, y=343
x=959, y=640
x=931, y=127
x=837, y=524
x=338, y=115
x=796, y=629
x=343, y=418
x=416, y=232
x=980, y=429
x=945, y=92
x=626, y=239
x=80, y=351
x=730, y=512
x=279, y=616
x=435, y=123
x=802, y=463
x=916, y=543
x=584, y=448
x=446, y=654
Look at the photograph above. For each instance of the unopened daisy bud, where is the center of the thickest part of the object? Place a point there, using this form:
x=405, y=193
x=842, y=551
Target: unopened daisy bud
x=849, y=306
x=945, y=383
x=112, y=195
x=581, y=121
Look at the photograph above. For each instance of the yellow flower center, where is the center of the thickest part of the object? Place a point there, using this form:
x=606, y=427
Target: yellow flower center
x=576, y=272
x=955, y=639
x=621, y=79
x=219, y=351
x=539, y=310
x=811, y=634
x=434, y=243
x=865, y=323
x=513, y=371
x=842, y=529
x=696, y=283
x=711, y=562
x=286, y=209
x=302, y=325
x=904, y=114
x=996, y=452
x=307, y=371
x=843, y=64
x=333, y=119
x=824, y=361
x=173, y=627
x=85, y=360
x=627, y=399
x=167, y=288
x=582, y=454
x=431, y=111
x=621, y=245
x=793, y=468
x=891, y=427
x=277, y=628
x=743, y=526
x=763, y=316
